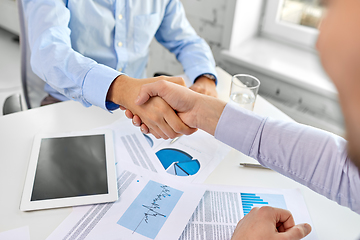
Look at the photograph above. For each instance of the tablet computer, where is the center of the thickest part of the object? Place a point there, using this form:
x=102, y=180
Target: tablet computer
x=70, y=170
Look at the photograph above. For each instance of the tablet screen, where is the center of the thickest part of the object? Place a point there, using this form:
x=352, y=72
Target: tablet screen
x=70, y=167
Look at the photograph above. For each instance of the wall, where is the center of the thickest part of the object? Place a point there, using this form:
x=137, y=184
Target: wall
x=210, y=20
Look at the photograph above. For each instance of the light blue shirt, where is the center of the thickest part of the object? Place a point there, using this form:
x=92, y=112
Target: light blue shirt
x=310, y=156
x=79, y=47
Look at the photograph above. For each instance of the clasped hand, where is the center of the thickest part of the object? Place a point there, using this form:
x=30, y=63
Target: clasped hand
x=155, y=115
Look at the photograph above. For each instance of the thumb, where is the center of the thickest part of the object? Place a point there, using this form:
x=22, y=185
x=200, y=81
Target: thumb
x=298, y=232
x=147, y=91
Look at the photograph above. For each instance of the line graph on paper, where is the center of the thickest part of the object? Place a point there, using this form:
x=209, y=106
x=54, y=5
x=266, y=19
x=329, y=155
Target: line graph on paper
x=150, y=210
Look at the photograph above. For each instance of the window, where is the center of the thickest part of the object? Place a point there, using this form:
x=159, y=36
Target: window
x=294, y=21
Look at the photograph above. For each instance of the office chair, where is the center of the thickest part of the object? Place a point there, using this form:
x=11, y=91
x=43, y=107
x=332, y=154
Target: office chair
x=32, y=86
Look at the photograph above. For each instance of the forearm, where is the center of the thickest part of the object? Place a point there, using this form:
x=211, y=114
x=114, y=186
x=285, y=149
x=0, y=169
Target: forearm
x=209, y=110
x=54, y=60
x=313, y=157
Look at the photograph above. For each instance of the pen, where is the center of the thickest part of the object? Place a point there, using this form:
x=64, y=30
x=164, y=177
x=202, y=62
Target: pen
x=174, y=140
x=252, y=165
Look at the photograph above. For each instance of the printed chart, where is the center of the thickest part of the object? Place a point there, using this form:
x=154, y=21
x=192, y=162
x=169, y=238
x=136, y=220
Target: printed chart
x=150, y=210
x=177, y=162
x=250, y=200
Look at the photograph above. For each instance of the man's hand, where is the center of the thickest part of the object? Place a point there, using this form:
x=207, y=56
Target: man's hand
x=156, y=113
x=271, y=224
x=195, y=110
x=202, y=85
x=205, y=86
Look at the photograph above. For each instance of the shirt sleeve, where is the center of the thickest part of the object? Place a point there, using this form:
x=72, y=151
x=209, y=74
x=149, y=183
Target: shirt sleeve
x=310, y=156
x=53, y=59
x=177, y=35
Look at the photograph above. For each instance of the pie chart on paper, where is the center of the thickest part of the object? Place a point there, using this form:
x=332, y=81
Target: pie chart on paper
x=177, y=162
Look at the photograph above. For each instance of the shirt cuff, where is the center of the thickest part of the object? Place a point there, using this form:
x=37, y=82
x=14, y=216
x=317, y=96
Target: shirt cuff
x=197, y=71
x=238, y=127
x=96, y=85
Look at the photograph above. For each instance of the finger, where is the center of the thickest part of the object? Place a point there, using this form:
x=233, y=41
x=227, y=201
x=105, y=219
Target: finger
x=129, y=114
x=154, y=133
x=167, y=129
x=159, y=131
x=177, y=125
x=149, y=90
x=180, y=81
x=297, y=232
x=122, y=108
x=144, y=129
x=285, y=217
x=136, y=121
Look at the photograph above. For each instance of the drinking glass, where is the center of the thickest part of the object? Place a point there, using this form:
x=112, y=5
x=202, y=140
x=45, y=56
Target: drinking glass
x=244, y=89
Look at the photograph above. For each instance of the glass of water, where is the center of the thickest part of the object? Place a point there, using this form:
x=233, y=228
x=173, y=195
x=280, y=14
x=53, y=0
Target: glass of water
x=244, y=89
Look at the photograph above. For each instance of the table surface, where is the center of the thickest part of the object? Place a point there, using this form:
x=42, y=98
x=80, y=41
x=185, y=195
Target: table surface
x=330, y=220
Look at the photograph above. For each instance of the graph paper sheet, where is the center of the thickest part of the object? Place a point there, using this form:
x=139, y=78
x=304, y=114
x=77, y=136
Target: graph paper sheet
x=149, y=207
x=222, y=207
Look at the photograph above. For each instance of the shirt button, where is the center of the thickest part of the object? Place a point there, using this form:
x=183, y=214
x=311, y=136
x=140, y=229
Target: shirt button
x=120, y=69
x=120, y=44
x=120, y=16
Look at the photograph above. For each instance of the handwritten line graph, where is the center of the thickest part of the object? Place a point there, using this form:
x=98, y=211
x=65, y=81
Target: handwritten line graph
x=148, y=212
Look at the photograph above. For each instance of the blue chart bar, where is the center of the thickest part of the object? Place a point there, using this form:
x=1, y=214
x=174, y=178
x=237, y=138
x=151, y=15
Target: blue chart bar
x=250, y=200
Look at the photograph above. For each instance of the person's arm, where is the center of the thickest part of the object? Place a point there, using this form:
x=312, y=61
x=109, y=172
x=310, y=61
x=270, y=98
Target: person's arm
x=82, y=79
x=53, y=59
x=177, y=35
x=310, y=156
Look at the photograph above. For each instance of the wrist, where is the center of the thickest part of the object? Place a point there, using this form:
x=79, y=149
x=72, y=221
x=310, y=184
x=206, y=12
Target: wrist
x=120, y=90
x=208, y=113
x=206, y=78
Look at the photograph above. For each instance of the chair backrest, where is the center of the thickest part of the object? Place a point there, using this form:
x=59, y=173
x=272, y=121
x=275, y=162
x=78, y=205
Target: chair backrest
x=33, y=86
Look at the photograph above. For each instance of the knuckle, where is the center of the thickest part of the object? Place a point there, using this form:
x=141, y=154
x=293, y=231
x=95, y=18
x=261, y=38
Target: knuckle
x=254, y=209
x=264, y=210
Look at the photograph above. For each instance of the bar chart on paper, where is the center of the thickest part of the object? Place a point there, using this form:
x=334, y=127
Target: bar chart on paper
x=250, y=200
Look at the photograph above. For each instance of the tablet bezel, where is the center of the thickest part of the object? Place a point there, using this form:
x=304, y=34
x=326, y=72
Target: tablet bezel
x=111, y=196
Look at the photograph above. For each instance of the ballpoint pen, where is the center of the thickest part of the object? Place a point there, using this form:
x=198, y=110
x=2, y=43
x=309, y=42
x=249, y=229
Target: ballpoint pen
x=253, y=165
x=174, y=140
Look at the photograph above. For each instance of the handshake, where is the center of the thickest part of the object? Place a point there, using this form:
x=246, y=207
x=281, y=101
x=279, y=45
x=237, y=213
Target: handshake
x=166, y=108
x=163, y=106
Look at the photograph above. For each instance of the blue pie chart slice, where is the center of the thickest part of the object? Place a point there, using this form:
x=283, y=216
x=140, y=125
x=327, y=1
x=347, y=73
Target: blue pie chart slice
x=177, y=162
x=190, y=168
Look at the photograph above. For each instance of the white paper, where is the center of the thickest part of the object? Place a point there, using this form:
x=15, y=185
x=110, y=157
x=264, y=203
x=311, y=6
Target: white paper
x=131, y=146
x=200, y=146
x=149, y=207
x=16, y=234
x=221, y=209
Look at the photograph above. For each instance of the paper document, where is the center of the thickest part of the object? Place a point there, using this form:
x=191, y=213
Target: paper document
x=191, y=158
x=222, y=207
x=149, y=207
x=16, y=234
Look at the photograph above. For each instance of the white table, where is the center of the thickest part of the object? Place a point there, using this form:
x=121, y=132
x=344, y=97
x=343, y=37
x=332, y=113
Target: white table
x=17, y=131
